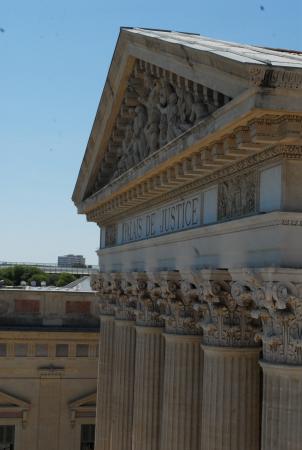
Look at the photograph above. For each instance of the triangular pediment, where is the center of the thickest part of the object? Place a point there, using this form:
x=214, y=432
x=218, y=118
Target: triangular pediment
x=86, y=402
x=158, y=106
x=8, y=401
x=160, y=86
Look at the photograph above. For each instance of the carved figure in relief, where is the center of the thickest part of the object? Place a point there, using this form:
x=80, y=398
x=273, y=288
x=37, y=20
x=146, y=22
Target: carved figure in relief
x=139, y=149
x=199, y=110
x=184, y=105
x=151, y=101
x=158, y=109
x=237, y=196
x=171, y=111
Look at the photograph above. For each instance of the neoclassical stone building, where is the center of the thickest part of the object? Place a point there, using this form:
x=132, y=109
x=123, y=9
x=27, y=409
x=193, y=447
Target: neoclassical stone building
x=193, y=171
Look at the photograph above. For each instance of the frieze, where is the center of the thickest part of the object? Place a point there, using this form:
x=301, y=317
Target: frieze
x=111, y=235
x=237, y=196
x=272, y=153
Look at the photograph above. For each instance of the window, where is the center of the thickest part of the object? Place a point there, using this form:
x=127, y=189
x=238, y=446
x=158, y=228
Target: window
x=41, y=350
x=62, y=350
x=82, y=350
x=20, y=349
x=87, y=437
x=7, y=437
x=3, y=351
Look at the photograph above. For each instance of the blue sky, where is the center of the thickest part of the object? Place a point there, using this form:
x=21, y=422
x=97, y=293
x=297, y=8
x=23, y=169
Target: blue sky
x=54, y=60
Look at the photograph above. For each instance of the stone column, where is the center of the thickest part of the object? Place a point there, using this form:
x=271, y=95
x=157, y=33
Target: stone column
x=282, y=407
x=182, y=369
x=230, y=414
x=123, y=369
x=277, y=295
x=106, y=304
x=149, y=362
x=148, y=387
x=182, y=393
x=105, y=383
x=231, y=377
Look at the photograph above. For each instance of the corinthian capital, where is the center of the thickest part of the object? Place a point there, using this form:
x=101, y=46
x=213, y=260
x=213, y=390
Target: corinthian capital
x=96, y=281
x=227, y=319
x=124, y=296
x=277, y=302
x=178, y=296
x=279, y=306
x=148, y=306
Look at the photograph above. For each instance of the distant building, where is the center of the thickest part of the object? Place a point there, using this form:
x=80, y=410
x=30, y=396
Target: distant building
x=71, y=261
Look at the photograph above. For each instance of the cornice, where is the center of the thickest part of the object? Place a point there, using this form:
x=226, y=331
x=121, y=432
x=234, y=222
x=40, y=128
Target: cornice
x=196, y=165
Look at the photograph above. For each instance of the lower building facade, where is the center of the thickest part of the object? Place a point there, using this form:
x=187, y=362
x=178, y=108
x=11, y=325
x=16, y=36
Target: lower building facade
x=48, y=370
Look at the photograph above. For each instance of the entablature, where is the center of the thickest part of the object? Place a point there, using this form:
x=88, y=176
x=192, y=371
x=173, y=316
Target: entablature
x=194, y=166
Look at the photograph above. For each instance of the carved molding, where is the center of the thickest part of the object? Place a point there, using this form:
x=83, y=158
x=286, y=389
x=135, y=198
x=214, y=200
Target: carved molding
x=273, y=78
x=291, y=152
x=237, y=151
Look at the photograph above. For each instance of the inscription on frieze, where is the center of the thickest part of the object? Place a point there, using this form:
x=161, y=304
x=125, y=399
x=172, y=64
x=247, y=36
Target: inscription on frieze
x=178, y=216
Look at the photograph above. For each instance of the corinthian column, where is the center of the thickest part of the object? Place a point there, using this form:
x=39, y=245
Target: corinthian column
x=123, y=368
x=278, y=297
x=231, y=399
x=102, y=284
x=182, y=370
x=149, y=361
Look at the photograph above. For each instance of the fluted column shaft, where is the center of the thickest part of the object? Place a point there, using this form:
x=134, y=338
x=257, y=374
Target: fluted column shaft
x=104, y=384
x=282, y=407
x=149, y=361
x=123, y=385
x=230, y=404
x=182, y=393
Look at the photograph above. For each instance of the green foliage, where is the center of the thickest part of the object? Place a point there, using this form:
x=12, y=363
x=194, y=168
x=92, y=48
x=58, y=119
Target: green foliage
x=65, y=278
x=12, y=276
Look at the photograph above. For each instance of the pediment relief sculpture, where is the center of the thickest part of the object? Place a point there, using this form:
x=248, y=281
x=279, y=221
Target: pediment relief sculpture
x=158, y=106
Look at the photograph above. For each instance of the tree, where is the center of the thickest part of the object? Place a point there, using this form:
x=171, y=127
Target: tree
x=65, y=278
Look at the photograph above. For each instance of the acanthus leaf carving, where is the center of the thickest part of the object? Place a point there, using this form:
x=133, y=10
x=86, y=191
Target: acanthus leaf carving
x=279, y=307
x=227, y=321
